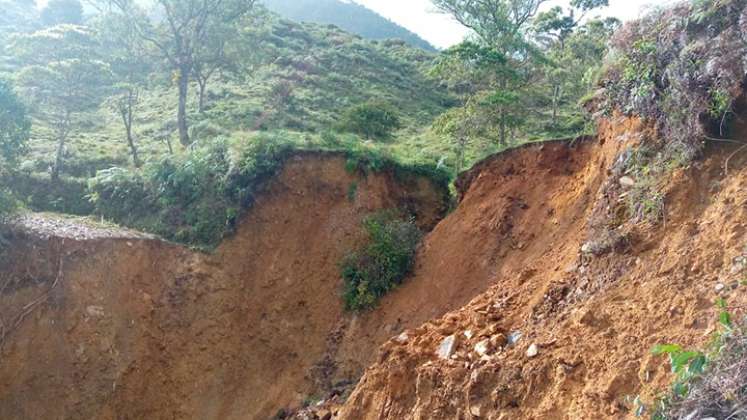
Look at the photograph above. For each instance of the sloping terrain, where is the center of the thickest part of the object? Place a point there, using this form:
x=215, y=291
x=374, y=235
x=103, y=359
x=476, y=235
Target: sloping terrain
x=570, y=308
x=115, y=325
x=553, y=301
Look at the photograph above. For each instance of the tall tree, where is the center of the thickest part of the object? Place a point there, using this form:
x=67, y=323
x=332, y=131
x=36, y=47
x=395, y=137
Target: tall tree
x=127, y=57
x=501, y=28
x=178, y=29
x=15, y=127
x=58, y=12
x=62, y=78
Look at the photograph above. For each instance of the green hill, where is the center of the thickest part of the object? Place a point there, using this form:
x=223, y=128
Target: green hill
x=349, y=16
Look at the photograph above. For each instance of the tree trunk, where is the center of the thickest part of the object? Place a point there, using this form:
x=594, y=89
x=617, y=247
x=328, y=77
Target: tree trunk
x=555, y=101
x=57, y=168
x=182, y=112
x=127, y=120
x=201, y=103
x=502, y=124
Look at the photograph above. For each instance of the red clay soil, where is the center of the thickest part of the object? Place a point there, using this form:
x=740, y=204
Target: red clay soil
x=136, y=328
x=511, y=253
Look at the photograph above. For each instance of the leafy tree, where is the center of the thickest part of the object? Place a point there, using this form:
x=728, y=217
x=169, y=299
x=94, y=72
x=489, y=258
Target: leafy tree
x=179, y=29
x=58, y=12
x=127, y=58
x=14, y=133
x=373, y=120
x=15, y=126
x=62, y=78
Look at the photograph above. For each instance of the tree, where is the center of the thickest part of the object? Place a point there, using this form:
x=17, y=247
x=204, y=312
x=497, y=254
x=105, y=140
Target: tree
x=15, y=125
x=373, y=120
x=178, y=29
x=62, y=78
x=127, y=58
x=15, y=128
x=501, y=30
x=58, y=12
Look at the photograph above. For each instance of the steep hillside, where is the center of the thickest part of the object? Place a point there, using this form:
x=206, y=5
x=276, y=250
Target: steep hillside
x=349, y=16
x=562, y=322
x=100, y=323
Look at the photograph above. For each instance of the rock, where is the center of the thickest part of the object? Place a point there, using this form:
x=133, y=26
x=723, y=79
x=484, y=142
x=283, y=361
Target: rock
x=719, y=287
x=324, y=414
x=483, y=347
x=514, y=338
x=95, y=311
x=402, y=338
x=627, y=181
x=499, y=340
x=468, y=334
x=447, y=347
x=532, y=351
x=476, y=411
x=586, y=248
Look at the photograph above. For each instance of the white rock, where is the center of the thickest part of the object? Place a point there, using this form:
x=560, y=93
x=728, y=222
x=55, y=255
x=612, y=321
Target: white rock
x=482, y=347
x=586, y=248
x=402, y=338
x=627, y=181
x=514, y=338
x=95, y=311
x=447, y=347
x=532, y=351
x=719, y=287
x=476, y=411
x=468, y=334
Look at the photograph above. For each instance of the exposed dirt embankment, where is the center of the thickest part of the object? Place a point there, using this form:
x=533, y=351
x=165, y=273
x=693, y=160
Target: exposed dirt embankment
x=104, y=324
x=553, y=305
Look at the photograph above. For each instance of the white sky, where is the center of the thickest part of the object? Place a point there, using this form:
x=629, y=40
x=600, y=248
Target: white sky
x=440, y=30
x=420, y=16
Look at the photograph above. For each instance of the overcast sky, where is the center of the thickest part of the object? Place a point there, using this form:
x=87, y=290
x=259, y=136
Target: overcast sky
x=420, y=17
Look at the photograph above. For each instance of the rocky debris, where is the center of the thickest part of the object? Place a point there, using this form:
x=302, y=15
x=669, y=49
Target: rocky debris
x=447, y=347
x=719, y=287
x=47, y=226
x=483, y=347
x=402, y=338
x=606, y=241
x=627, y=182
x=476, y=411
x=532, y=351
x=513, y=338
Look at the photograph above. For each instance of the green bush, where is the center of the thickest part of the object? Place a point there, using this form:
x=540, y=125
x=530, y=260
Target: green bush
x=373, y=120
x=195, y=199
x=383, y=262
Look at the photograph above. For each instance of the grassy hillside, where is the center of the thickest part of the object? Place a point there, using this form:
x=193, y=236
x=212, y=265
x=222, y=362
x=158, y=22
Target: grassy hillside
x=349, y=16
x=305, y=77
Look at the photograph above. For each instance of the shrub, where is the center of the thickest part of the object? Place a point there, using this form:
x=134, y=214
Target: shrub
x=710, y=384
x=373, y=120
x=680, y=67
x=383, y=262
x=195, y=199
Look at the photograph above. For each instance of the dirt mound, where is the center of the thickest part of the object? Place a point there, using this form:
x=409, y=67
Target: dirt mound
x=550, y=329
x=118, y=326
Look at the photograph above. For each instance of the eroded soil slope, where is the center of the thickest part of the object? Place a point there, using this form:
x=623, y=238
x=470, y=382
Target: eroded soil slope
x=104, y=324
x=563, y=299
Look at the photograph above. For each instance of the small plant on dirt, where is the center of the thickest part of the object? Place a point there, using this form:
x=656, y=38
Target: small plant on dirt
x=383, y=262
x=711, y=383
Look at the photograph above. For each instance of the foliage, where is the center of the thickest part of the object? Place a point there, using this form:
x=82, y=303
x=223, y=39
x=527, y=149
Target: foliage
x=351, y=17
x=62, y=78
x=709, y=384
x=372, y=120
x=383, y=262
x=679, y=67
x=15, y=125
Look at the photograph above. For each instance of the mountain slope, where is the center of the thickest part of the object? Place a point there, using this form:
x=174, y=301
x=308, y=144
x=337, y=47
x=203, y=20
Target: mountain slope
x=349, y=16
